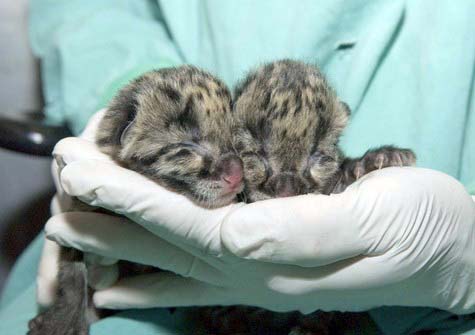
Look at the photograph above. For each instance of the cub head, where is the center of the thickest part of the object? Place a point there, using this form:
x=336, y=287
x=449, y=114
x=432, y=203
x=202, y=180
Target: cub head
x=174, y=126
x=288, y=123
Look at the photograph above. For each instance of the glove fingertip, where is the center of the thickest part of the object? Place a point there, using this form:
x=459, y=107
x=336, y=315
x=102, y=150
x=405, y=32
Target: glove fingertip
x=102, y=277
x=105, y=299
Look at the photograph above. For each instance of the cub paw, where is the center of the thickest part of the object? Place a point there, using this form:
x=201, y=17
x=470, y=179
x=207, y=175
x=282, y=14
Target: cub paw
x=377, y=159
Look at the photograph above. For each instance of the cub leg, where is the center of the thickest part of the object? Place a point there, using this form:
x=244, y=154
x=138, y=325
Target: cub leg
x=69, y=314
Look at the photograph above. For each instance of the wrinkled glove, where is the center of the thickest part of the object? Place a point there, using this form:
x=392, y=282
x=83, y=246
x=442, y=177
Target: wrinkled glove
x=102, y=271
x=398, y=236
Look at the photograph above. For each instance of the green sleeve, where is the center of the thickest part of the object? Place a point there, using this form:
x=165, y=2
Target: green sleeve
x=89, y=49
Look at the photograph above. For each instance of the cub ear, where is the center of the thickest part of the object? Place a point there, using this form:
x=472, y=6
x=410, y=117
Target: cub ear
x=345, y=107
x=341, y=116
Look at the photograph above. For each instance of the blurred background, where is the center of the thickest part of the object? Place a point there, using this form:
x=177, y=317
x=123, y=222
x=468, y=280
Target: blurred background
x=25, y=183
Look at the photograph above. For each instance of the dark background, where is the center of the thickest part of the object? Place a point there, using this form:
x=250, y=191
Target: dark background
x=25, y=183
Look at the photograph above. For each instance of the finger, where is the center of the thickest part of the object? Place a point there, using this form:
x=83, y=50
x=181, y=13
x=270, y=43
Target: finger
x=170, y=215
x=72, y=149
x=102, y=271
x=102, y=276
x=159, y=290
x=309, y=230
x=116, y=237
x=356, y=284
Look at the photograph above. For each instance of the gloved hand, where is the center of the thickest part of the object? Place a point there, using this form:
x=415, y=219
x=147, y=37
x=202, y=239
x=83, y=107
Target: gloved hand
x=398, y=236
x=102, y=271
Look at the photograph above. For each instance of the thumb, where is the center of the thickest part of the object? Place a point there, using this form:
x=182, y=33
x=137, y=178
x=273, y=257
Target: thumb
x=308, y=230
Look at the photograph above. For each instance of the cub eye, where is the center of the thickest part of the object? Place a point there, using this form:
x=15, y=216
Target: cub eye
x=255, y=170
x=319, y=158
x=321, y=166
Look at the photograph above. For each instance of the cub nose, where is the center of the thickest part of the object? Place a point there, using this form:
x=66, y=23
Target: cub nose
x=230, y=170
x=283, y=185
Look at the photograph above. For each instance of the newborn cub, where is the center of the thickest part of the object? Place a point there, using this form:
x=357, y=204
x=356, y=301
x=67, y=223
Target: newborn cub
x=173, y=126
x=290, y=121
x=289, y=124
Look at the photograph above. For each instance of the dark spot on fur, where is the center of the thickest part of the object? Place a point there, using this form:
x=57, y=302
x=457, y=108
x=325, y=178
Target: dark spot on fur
x=164, y=150
x=177, y=185
x=251, y=165
x=204, y=173
x=284, y=108
x=103, y=141
x=259, y=129
x=205, y=170
x=174, y=173
x=239, y=146
x=171, y=93
x=319, y=104
x=182, y=153
x=265, y=101
x=123, y=106
x=320, y=131
x=204, y=87
x=195, y=134
x=221, y=92
x=145, y=160
x=308, y=101
x=173, y=146
x=199, y=96
x=187, y=118
x=298, y=102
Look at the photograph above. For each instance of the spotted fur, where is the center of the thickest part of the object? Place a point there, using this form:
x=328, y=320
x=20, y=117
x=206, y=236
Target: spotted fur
x=289, y=122
x=178, y=130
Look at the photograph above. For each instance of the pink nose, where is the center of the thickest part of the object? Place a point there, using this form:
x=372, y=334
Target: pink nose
x=233, y=180
x=232, y=172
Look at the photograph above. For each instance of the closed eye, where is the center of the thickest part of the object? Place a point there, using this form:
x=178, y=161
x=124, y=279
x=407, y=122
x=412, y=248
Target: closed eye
x=320, y=158
x=256, y=168
x=182, y=153
x=201, y=150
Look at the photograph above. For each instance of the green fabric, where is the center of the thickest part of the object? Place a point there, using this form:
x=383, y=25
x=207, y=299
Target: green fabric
x=406, y=69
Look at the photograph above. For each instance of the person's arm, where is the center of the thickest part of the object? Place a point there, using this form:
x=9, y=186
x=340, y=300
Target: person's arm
x=88, y=50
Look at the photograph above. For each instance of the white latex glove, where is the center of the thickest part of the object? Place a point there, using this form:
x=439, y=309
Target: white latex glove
x=399, y=236
x=102, y=271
